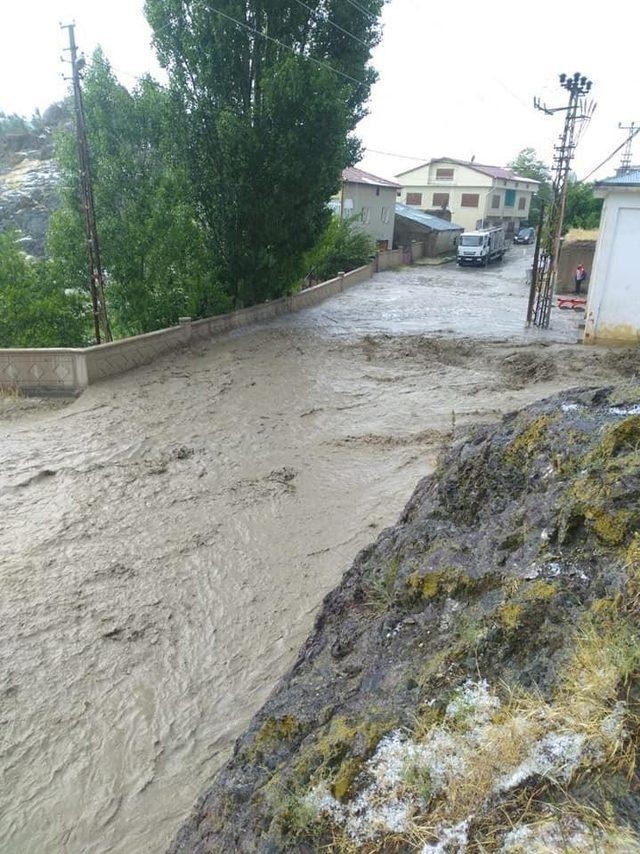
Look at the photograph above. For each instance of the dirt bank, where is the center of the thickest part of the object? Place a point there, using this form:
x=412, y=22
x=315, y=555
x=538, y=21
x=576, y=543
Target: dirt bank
x=168, y=538
x=473, y=683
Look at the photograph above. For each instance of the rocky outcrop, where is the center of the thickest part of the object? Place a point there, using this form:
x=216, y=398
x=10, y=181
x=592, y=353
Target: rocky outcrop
x=29, y=179
x=474, y=682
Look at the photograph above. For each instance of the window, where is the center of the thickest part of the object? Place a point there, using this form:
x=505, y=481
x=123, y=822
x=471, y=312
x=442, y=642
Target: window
x=414, y=198
x=444, y=174
x=522, y=203
x=470, y=200
x=441, y=200
x=495, y=201
x=365, y=214
x=471, y=240
x=384, y=215
x=509, y=198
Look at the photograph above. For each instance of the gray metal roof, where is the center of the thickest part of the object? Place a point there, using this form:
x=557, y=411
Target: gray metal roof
x=627, y=179
x=427, y=220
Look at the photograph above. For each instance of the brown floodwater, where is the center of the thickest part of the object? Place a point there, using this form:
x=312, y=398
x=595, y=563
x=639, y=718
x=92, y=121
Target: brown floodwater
x=167, y=538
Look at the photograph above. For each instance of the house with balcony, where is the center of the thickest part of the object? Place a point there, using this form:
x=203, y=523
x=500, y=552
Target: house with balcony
x=369, y=203
x=477, y=195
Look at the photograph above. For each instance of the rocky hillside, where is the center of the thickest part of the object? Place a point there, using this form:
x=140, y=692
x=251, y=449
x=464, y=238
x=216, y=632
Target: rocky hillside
x=474, y=683
x=29, y=179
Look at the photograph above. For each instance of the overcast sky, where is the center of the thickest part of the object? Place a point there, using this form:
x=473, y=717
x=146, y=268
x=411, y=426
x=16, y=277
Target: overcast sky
x=456, y=79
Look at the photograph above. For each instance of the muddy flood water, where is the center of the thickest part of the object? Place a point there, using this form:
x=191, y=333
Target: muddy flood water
x=167, y=538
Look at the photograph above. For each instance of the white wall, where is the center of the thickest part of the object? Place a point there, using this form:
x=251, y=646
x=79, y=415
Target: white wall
x=613, y=310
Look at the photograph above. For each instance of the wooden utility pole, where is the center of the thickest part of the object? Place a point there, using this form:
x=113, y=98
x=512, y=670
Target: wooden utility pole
x=101, y=326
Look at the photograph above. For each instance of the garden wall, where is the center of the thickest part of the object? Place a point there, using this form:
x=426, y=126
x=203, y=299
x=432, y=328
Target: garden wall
x=68, y=370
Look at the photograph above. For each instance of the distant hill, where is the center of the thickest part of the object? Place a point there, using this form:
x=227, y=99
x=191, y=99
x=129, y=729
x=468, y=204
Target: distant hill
x=28, y=174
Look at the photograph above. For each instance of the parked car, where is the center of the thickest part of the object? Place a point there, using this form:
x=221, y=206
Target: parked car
x=525, y=235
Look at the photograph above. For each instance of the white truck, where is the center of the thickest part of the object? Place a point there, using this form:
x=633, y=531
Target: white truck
x=482, y=246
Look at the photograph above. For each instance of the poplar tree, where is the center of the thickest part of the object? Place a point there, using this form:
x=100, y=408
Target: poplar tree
x=268, y=92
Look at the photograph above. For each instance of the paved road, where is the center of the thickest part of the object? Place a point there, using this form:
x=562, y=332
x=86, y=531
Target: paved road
x=449, y=300
x=168, y=537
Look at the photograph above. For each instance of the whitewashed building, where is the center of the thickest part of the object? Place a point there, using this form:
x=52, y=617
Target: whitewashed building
x=613, y=308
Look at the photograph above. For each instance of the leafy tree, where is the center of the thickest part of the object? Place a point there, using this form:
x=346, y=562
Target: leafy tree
x=12, y=123
x=342, y=246
x=157, y=263
x=36, y=309
x=527, y=164
x=582, y=209
x=266, y=122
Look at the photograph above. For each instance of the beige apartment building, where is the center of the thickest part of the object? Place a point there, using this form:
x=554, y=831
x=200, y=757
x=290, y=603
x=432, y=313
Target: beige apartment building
x=477, y=195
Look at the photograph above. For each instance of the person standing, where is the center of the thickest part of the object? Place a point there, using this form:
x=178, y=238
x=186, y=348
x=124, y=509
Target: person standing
x=580, y=277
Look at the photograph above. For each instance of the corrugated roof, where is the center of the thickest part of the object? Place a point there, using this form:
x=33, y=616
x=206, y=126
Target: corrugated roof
x=628, y=179
x=499, y=172
x=428, y=220
x=351, y=175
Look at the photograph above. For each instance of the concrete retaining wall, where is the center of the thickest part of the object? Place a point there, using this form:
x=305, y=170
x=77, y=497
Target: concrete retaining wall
x=573, y=253
x=67, y=371
x=55, y=370
x=386, y=260
x=417, y=250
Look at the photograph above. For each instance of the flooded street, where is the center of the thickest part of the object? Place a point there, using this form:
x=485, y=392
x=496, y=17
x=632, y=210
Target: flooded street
x=167, y=538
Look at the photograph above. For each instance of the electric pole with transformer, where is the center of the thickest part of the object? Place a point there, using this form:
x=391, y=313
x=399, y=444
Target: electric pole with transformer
x=577, y=113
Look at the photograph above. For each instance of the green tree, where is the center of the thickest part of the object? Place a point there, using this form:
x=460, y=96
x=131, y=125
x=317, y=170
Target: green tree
x=158, y=265
x=528, y=164
x=36, y=309
x=267, y=105
x=582, y=209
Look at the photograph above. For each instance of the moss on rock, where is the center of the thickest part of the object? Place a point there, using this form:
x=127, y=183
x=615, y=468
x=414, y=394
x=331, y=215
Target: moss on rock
x=438, y=582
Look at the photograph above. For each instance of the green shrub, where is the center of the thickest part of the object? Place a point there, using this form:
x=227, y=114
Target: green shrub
x=342, y=247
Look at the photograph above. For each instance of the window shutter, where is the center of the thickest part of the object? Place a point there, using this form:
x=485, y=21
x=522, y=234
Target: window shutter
x=441, y=200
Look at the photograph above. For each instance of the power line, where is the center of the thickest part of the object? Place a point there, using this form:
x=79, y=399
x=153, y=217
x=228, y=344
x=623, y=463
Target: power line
x=278, y=42
x=328, y=20
x=613, y=154
x=391, y=154
x=364, y=11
